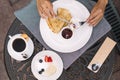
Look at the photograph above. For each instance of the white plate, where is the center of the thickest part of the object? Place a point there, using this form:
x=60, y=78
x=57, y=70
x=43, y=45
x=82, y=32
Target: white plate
x=80, y=36
x=36, y=66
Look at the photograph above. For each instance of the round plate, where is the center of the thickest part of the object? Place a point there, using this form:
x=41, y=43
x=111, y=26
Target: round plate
x=80, y=36
x=36, y=66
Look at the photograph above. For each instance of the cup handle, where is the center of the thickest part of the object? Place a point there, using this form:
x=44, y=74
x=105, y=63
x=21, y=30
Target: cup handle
x=10, y=36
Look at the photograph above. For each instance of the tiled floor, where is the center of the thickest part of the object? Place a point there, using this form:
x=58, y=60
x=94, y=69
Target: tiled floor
x=7, y=17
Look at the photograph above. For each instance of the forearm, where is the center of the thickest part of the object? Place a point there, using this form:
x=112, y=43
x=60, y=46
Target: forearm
x=38, y=1
x=104, y=2
x=98, y=8
x=42, y=0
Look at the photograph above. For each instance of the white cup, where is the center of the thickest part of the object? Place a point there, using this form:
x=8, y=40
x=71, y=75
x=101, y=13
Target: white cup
x=20, y=47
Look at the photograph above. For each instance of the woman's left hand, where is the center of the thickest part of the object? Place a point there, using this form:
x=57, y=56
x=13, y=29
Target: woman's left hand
x=97, y=13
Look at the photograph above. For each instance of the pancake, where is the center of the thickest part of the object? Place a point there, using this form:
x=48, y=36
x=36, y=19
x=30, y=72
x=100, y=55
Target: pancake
x=64, y=14
x=55, y=24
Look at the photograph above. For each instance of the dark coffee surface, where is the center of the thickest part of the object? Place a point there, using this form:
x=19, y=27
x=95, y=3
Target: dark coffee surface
x=19, y=45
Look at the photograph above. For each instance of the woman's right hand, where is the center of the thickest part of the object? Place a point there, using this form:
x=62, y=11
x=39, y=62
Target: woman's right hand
x=45, y=8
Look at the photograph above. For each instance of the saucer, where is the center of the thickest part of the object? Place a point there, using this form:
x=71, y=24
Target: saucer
x=20, y=56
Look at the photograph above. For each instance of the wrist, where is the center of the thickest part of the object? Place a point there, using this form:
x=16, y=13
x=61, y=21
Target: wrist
x=104, y=2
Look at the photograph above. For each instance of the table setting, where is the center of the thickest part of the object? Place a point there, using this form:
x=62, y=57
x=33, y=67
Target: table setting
x=51, y=56
x=27, y=20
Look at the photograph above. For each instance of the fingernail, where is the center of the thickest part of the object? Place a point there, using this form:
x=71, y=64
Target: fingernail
x=87, y=20
x=90, y=24
x=53, y=16
x=46, y=17
x=94, y=25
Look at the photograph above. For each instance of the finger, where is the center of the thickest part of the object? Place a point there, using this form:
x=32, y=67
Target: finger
x=95, y=22
x=52, y=12
x=97, y=18
x=42, y=14
x=50, y=6
x=93, y=14
x=47, y=12
x=41, y=11
x=92, y=21
x=90, y=16
x=39, y=6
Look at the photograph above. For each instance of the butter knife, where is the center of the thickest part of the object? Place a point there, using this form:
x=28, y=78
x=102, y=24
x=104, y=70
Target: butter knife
x=64, y=20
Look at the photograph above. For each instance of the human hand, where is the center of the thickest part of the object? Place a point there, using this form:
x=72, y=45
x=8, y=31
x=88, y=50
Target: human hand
x=97, y=13
x=45, y=8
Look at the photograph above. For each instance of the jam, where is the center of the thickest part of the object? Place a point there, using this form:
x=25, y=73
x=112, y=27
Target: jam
x=67, y=33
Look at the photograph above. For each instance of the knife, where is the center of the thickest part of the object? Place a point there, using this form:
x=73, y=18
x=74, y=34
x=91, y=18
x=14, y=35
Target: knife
x=64, y=20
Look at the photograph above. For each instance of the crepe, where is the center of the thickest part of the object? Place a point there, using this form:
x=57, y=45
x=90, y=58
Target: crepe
x=55, y=24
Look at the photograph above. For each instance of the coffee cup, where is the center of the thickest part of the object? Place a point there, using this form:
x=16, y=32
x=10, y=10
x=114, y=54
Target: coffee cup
x=20, y=46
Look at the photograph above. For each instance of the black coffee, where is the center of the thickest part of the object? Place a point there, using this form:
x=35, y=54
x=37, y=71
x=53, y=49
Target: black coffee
x=19, y=45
